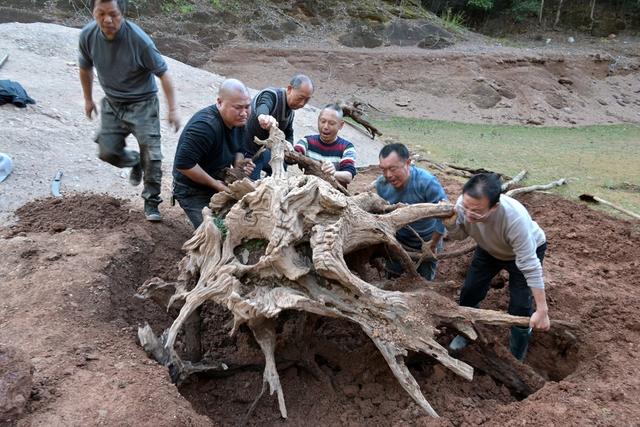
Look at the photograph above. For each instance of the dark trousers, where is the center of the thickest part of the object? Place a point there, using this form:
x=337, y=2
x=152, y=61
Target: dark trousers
x=192, y=200
x=119, y=120
x=483, y=268
x=262, y=163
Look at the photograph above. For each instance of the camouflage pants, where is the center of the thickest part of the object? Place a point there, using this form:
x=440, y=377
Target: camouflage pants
x=119, y=120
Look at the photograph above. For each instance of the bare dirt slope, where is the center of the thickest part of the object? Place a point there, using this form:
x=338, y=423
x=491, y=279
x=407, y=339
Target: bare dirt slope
x=54, y=134
x=478, y=81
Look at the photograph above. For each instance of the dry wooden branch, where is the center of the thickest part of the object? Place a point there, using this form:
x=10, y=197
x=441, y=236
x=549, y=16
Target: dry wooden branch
x=451, y=169
x=308, y=165
x=513, y=181
x=309, y=228
x=313, y=167
x=356, y=112
x=522, y=190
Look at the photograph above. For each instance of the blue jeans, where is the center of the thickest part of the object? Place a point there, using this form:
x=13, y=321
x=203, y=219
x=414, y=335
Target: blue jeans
x=262, y=163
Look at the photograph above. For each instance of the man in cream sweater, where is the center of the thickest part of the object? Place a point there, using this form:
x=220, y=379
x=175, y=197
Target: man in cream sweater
x=507, y=239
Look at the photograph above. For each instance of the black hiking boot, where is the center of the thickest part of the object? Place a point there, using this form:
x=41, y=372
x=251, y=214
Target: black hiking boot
x=151, y=212
x=135, y=176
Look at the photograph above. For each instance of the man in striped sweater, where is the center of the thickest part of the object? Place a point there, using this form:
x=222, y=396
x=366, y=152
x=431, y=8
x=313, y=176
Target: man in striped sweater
x=337, y=154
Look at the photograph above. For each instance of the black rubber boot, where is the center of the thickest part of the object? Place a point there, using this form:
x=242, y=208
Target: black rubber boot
x=519, y=342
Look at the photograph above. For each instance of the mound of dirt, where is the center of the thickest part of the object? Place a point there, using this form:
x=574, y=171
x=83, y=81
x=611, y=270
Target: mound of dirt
x=79, y=211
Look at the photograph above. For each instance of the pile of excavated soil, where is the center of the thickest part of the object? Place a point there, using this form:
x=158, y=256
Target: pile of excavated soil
x=69, y=303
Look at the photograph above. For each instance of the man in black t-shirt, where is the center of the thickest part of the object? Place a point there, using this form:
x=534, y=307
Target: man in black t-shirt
x=275, y=106
x=210, y=142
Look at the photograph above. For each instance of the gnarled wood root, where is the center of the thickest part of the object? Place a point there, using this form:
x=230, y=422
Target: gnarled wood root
x=309, y=227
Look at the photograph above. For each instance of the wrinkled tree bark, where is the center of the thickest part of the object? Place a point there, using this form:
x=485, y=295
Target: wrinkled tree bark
x=309, y=227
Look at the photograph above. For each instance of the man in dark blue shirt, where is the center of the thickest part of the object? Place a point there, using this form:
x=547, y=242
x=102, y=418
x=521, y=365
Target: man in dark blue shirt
x=209, y=143
x=126, y=61
x=402, y=182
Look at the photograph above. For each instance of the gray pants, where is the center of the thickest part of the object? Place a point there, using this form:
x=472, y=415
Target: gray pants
x=119, y=120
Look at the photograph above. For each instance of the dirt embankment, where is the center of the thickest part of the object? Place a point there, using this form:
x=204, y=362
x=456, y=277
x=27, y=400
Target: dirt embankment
x=399, y=58
x=68, y=303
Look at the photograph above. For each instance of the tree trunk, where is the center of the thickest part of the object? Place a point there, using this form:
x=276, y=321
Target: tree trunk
x=557, y=21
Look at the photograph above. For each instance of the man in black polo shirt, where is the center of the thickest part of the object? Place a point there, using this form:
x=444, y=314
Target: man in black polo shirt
x=275, y=106
x=210, y=142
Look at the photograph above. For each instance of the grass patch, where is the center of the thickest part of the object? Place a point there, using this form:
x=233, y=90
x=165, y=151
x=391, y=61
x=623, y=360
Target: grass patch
x=600, y=160
x=182, y=7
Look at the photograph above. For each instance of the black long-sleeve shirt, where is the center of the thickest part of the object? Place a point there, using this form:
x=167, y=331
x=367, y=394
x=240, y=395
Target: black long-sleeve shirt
x=208, y=142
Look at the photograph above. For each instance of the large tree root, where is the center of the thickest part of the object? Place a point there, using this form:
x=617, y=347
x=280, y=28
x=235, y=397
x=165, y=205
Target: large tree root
x=309, y=227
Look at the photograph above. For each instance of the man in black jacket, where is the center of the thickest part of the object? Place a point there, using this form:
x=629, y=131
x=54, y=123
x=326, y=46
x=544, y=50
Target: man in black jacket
x=275, y=106
x=210, y=142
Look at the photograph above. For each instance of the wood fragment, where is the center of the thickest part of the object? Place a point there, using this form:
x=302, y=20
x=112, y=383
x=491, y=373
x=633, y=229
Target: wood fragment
x=513, y=181
x=517, y=191
x=356, y=111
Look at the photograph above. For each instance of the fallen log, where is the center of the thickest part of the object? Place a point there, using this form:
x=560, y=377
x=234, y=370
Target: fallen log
x=309, y=227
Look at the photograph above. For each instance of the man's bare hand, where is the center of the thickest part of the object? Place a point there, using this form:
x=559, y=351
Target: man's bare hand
x=540, y=320
x=174, y=120
x=247, y=166
x=328, y=168
x=90, y=109
x=451, y=221
x=266, y=121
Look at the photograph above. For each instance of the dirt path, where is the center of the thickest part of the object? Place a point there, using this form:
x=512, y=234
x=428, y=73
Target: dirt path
x=54, y=134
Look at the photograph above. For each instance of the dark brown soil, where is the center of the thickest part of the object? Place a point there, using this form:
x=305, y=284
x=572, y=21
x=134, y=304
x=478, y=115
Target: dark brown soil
x=591, y=273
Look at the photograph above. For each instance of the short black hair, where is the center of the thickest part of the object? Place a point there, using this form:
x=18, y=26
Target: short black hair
x=298, y=80
x=484, y=185
x=400, y=149
x=336, y=108
x=122, y=5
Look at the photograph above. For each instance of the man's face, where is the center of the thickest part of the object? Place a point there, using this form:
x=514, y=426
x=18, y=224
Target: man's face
x=235, y=109
x=395, y=170
x=329, y=124
x=298, y=98
x=477, y=210
x=109, y=18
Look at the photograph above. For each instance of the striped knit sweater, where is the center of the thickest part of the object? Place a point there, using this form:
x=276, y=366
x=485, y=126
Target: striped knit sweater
x=340, y=152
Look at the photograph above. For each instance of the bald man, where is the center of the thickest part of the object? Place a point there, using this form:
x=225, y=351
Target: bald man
x=209, y=143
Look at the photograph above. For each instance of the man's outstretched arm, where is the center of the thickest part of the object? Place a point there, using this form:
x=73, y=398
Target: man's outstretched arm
x=167, y=87
x=86, y=80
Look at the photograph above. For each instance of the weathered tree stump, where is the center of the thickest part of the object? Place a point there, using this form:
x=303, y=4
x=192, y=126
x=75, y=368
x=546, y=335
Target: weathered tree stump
x=309, y=227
